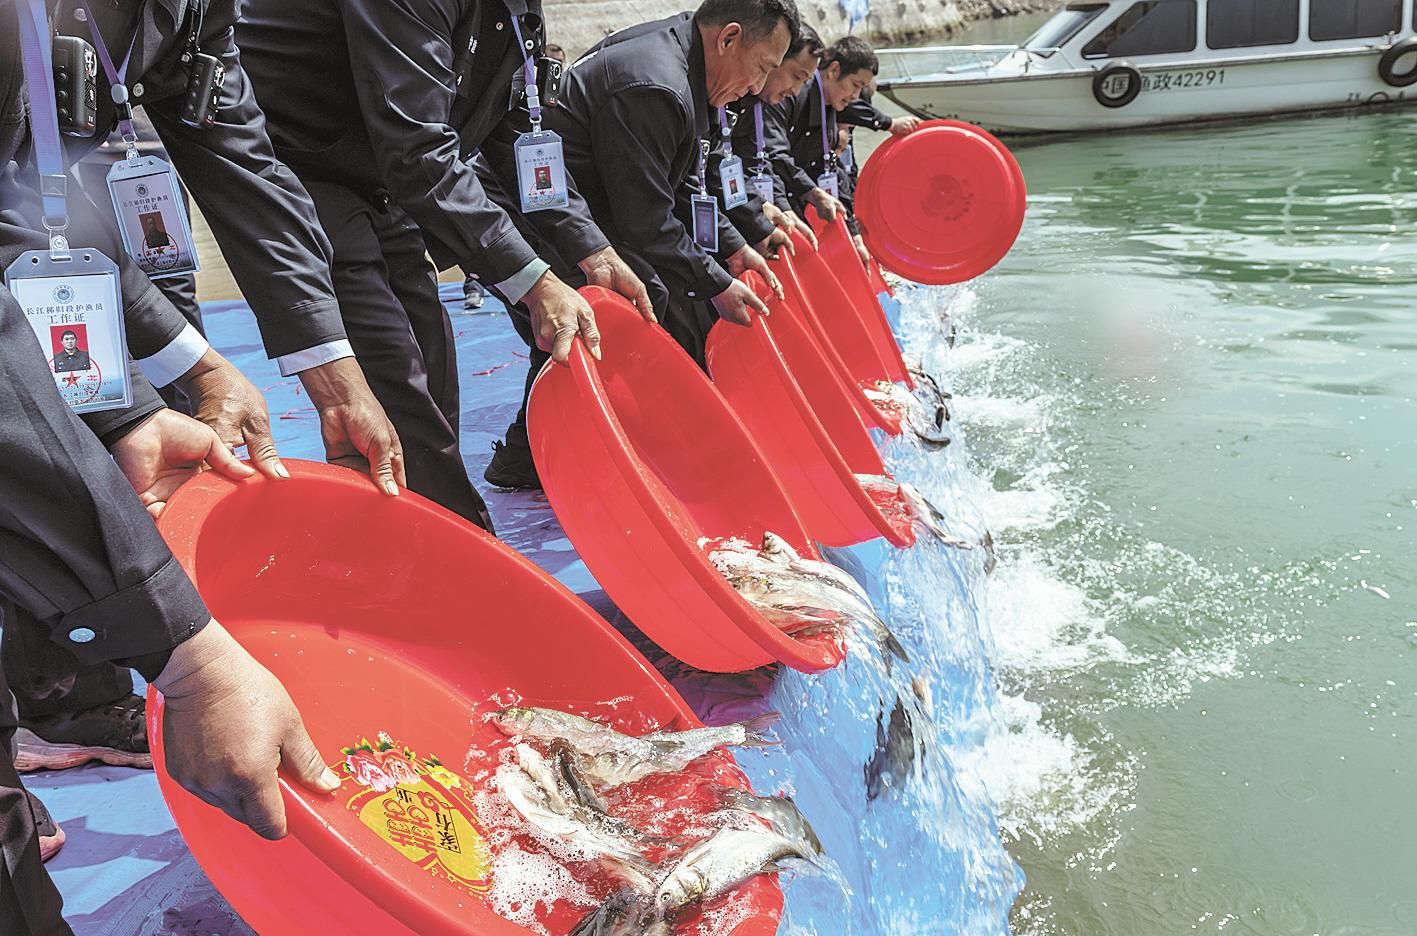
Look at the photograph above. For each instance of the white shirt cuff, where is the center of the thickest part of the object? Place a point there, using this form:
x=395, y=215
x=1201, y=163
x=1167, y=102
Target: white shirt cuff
x=176, y=358
x=519, y=283
x=294, y=363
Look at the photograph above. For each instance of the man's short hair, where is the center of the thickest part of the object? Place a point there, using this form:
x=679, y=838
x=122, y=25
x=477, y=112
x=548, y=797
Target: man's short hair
x=67, y=332
x=808, y=39
x=758, y=17
x=853, y=54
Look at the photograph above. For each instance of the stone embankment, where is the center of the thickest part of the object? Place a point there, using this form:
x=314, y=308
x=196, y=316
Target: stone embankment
x=579, y=24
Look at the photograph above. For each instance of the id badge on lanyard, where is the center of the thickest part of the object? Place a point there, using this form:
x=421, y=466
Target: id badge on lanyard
x=541, y=171
x=730, y=169
x=830, y=183
x=70, y=297
x=74, y=308
x=735, y=186
x=704, y=207
x=151, y=216
x=541, y=159
x=146, y=198
x=760, y=180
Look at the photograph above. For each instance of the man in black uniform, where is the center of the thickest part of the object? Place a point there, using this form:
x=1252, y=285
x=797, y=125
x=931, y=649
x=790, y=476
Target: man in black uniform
x=394, y=96
x=786, y=81
x=271, y=240
x=80, y=554
x=633, y=114
x=72, y=357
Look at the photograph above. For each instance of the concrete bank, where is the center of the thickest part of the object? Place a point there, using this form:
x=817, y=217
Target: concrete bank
x=579, y=24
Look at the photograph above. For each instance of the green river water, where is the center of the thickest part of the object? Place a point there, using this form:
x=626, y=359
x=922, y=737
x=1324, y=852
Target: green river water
x=1191, y=397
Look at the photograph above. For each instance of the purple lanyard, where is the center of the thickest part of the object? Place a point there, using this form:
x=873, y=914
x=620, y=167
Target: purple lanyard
x=117, y=77
x=533, y=94
x=758, y=125
x=725, y=131
x=826, y=141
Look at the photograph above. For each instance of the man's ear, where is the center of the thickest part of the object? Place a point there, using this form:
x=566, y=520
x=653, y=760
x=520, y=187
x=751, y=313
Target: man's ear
x=832, y=72
x=729, y=36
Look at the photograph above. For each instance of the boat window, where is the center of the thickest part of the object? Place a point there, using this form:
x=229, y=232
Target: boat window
x=1354, y=19
x=1151, y=27
x=1069, y=21
x=1233, y=24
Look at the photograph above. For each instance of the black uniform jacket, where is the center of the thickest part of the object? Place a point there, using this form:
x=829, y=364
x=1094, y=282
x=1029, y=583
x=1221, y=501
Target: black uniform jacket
x=77, y=549
x=391, y=97
x=260, y=214
x=632, y=115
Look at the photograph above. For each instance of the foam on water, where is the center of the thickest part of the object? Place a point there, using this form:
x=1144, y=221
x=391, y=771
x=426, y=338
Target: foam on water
x=1074, y=592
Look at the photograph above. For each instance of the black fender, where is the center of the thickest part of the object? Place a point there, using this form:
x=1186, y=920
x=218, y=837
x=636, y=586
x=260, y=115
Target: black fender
x=1388, y=63
x=1105, y=85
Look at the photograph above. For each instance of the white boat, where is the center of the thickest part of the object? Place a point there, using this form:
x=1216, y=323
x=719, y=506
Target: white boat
x=1134, y=63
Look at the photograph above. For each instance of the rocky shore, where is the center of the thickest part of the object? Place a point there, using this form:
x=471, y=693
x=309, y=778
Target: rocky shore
x=579, y=24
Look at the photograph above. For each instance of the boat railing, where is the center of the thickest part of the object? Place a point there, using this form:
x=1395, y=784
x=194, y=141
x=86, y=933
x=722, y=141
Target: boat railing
x=942, y=61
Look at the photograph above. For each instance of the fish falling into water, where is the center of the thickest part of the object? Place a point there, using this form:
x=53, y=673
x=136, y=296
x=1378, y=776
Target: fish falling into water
x=884, y=489
x=799, y=595
x=925, y=419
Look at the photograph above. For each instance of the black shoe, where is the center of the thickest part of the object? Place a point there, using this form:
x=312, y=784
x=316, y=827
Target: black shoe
x=115, y=734
x=511, y=466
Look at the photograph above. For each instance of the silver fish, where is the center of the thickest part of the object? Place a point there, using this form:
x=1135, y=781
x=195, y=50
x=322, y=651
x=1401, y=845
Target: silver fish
x=675, y=750
x=926, y=421
x=895, y=753
x=625, y=913
x=780, y=812
x=924, y=513
x=721, y=863
x=775, y=547
x=796, y=600
x=532, y=788
x=586, y=736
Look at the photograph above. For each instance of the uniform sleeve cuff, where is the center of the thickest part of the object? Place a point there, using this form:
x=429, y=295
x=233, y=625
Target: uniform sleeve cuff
x=516, y=286
x=294, y=363
x=150, y=617
x=174, y=359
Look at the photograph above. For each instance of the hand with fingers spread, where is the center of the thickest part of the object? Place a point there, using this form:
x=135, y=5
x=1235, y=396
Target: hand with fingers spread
x=356, y=431
x=737, y=303
x=768, y=246
x=168, y=449
x=228, y=725
x=558, y=315
x=803, y=228
x=235, y=410
x=746, y=258
x=606, y=268
x=825, y=202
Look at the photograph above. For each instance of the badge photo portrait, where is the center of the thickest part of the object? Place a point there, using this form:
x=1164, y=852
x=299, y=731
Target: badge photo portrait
x=70, y=345
x=154, y=236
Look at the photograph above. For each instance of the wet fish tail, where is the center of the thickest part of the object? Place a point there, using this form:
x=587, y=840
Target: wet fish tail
x=635, y=871
x=893, y=646
x=620, y=915
x=755, y=730
x=575, y=782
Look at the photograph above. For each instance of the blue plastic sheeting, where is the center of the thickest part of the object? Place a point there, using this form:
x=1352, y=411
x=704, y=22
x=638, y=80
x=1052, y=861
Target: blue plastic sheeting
x=882, y=816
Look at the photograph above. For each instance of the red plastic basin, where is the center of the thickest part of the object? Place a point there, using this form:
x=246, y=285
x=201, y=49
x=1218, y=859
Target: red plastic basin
x=748, y=369
x=642, y=459
x=839, y=252
x=808, y=284
x=389, y=615
x=943, y=204
x=878, y=279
